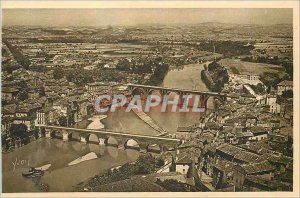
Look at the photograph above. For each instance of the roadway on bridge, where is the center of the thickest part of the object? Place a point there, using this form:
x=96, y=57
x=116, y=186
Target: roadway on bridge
x=112, y=133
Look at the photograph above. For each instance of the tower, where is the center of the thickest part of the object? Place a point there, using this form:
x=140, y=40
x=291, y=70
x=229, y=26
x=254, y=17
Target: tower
x=215, y=53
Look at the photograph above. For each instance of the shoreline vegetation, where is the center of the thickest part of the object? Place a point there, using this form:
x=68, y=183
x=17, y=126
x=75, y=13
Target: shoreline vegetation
x=145, y=164
x=214, y=76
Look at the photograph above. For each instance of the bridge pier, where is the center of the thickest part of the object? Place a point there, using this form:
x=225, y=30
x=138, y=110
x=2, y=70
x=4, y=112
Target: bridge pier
x=48, y=134
x=101, y=141
x=65, y=136
x=143, y=151
x=83, y=140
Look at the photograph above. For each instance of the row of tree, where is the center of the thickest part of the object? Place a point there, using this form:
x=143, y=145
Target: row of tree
x=287, y=66
x=80, y=76
x=20, y=58
x=227, y=48
x=271, y=79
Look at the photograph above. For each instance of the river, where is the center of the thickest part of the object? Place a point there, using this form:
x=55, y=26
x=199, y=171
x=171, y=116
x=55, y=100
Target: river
x=60, y=177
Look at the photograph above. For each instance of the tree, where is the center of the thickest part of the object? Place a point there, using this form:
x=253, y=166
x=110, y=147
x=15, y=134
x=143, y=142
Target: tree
x=123, y=65
x=18, y=130
x=172, y=185
x=259, y=88
x=10, y=67
x=145, y=68
x=63, y=121
x=22, y=84
x=287, y=94
x=159, y=163
x=36, y=133
x=23, y=95
x=37, y=68
x=4, y=141
x=58, y=73
x=272, y=79
x=289, y=69
x=145, y=164
x=159, y=74
x=80, y=76
x=289, y=146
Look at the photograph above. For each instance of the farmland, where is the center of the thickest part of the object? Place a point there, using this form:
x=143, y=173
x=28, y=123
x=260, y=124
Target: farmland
x=240, y=67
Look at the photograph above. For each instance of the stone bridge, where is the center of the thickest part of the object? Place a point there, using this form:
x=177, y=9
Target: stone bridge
x=110, y=138
x=146, y=90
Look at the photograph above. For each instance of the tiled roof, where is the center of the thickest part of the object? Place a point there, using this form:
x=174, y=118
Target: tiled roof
x=224, y=165
x=9, y=109
x=184, y=160
x=254, y=148
x=244, y=134
x=184, y=129
x=258, y=167
x=286, y=83
x=9, y=89
x=280, y=159
x=247, y=157
x=229, y=149
x=257, y=129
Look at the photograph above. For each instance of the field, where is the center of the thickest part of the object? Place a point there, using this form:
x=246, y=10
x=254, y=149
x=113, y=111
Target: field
x=240, y=67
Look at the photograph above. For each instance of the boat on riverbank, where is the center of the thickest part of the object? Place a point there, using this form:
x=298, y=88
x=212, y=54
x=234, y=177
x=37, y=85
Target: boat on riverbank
x=33, y=173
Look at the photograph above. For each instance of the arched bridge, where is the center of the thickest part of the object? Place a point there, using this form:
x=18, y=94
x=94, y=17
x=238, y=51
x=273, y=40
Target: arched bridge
x=103, y=137
x=146, y=90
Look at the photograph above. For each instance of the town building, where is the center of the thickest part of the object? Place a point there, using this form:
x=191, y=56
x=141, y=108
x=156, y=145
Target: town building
x=9, y=93
x=284, y=86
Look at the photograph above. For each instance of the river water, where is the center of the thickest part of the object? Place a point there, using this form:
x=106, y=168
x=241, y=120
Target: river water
x=62, y=178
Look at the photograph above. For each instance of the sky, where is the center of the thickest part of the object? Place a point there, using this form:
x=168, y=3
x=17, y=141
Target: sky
x=124, y=16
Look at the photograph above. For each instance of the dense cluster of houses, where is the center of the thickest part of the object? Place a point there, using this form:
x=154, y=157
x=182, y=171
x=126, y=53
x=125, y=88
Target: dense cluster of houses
x=241, y=146
x=45, y=101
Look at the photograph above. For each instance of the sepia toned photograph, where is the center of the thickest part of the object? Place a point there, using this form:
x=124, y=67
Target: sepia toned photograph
x=159, y=98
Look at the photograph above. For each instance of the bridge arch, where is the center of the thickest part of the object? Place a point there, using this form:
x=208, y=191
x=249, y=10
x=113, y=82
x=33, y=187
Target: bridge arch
x=154, y=148
x=221, y=99
x=111, y=141
x=155, y=91
x=74, y=136
x=172, y=93
x=171, y=96
x=139, y=91
x=131, y=144
x=58, y=134
x=92, y=138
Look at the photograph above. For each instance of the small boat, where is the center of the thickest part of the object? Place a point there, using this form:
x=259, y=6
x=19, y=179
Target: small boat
x=32, y=173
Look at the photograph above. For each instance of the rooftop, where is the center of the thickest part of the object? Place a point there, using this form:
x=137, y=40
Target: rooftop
x=286, y=83
x=229, y=149
x=261, y=167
